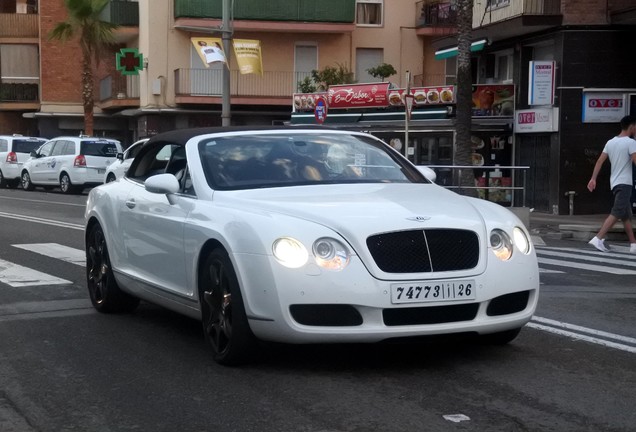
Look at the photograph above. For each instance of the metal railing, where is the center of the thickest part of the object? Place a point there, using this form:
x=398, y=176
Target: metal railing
x=119, y=86
x=489, y=183
x=19, y=92
x=208, y=82
x=122, y=12
x=435, y=13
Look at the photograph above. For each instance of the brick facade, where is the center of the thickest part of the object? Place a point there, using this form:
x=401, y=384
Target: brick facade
x=584, y=12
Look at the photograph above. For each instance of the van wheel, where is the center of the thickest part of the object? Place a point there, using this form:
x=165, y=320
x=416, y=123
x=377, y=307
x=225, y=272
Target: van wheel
x=13, y=183
x=65, y=184
x=102, y=288
x=110, y=178
x=26, y=181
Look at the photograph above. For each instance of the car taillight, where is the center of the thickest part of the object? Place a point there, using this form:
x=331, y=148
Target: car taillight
x=80, y=161
x=12, y=157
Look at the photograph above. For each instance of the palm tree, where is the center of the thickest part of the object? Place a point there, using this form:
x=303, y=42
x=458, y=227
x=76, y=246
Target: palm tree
x=95, y=36
x=463, y=151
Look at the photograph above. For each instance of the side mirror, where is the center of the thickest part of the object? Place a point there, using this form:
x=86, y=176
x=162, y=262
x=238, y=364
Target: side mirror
x=427, y=172
x=120, y=156
x=165, y=184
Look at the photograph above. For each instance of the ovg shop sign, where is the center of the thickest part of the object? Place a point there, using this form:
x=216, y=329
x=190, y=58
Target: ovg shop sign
x=603, y=107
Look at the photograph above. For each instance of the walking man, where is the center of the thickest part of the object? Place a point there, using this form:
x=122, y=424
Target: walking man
x=621, y=151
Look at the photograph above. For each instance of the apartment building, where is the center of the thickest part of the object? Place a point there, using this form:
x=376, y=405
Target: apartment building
x=175, y=89
x=571, y=63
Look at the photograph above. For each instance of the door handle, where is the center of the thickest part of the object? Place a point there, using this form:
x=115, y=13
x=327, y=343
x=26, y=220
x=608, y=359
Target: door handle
x=131, y=203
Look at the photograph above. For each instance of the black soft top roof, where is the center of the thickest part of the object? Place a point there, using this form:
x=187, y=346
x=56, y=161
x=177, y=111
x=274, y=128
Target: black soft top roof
x=181, y=136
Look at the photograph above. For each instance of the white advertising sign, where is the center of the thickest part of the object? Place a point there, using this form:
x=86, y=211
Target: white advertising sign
x=603, y=107
x=537, y=120
x=541, y=83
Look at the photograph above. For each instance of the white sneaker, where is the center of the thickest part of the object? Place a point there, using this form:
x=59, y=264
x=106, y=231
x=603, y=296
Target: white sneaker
x=632, y=248
x=599, y=244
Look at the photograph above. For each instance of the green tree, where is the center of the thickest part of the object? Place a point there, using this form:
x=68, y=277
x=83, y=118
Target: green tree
x=331, y=75
x=383, y=71
x=463, y=120
x=95, y=36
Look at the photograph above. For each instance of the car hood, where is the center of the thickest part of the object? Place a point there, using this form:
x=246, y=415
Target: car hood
x=360, y=210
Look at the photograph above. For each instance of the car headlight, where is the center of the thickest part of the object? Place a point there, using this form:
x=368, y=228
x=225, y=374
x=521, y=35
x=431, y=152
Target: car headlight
x=331, y=254
x=521, y=240
x=501, y=244
x=290, y=252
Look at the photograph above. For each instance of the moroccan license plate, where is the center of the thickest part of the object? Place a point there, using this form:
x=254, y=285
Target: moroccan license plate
x=432, y=291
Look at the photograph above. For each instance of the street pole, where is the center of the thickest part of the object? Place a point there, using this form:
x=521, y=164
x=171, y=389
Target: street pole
x=226, y=37
x=407, y=92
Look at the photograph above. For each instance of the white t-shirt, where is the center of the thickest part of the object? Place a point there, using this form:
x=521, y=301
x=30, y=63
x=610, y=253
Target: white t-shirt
x=620, y=150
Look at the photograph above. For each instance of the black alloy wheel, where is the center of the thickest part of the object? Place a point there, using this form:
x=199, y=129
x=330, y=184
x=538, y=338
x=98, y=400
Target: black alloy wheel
x=223, y=313
x=26, y=181
x=103, y=290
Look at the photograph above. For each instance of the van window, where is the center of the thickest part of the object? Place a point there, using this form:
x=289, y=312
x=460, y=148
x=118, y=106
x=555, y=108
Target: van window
x=26, y=146
x=98, y=148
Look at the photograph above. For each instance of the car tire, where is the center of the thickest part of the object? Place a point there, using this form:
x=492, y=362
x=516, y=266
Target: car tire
x=105, y=295
x=224, y=320
x=27, y=185
x=65, y=184
x=500, y=338
x=3, y=182
x=111, y=178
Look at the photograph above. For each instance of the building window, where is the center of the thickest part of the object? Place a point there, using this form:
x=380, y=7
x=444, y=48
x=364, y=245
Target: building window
x=496, y=4
x=451, y=71
x=367, y=58
x=504, y=67
x=305, y=61
x=369, y=12
x=19, y=64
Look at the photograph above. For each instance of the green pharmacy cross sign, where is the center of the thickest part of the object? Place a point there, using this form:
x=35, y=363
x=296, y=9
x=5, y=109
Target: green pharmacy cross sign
x=129, y=61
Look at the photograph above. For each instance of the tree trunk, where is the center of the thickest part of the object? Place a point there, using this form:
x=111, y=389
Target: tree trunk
x=87, y=94
x=463, y=121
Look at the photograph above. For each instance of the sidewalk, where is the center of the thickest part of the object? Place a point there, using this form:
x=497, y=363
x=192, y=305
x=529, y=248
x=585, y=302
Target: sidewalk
x=576, y=227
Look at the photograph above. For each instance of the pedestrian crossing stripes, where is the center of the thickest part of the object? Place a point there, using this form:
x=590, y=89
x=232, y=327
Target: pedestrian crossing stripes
x=16, y=275
x=54, y=250
x=617, y=262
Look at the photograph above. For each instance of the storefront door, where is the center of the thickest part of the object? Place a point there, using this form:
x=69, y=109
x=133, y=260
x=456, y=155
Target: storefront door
x=534, y=151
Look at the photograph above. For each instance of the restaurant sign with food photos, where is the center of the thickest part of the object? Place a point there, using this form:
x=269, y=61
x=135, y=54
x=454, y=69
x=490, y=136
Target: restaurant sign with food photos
x=375, y=95
x=493, y=100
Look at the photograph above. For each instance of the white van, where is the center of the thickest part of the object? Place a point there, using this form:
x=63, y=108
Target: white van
x=14, y=151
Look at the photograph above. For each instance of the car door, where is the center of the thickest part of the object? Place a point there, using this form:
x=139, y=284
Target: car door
x=38, y=168
x=54, y=163
x=152, y=229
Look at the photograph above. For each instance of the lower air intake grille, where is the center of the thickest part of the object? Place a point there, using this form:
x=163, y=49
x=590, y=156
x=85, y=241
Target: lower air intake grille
x=430, y=314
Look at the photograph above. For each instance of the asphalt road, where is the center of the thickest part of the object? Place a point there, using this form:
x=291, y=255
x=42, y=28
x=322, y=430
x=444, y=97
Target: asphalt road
x=65, y=367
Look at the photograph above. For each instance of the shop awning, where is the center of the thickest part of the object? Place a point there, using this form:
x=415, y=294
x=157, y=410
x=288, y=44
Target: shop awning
x=452, y=51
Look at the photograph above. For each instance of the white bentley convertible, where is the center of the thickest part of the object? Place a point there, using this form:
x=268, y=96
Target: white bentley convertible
x=303, y=236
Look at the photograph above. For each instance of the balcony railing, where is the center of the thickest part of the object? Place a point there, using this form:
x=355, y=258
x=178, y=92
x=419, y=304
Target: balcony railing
x=330, y=11
x=435, y=13
x=119, y=86
x=18, y=25
x=484, y=14
x=122, y=12
x=208, y=82
x=19, y=92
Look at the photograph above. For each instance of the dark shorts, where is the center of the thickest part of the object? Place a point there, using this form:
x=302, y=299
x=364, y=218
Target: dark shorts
x=622, y=208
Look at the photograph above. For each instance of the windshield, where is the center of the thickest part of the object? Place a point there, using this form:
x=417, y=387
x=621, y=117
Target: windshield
x=273, y=160
x=26, y=146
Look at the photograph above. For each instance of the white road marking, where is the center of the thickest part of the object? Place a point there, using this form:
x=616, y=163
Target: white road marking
x=599, y=258
x=582, y=329
x=456, y=418
x=582, y=266
x=542, y=270
x=58, y=251
x=56, y=223
x=17, y=276
x=578, y=336
x=43, y=201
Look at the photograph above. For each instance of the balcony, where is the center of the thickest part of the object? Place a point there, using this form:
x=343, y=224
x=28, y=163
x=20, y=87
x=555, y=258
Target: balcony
x=206, y=86
x=19, y=25
x=119, y=91
x=435, y=17
x=19, y=96
x=511, y=18
x=125, y=14
x=274, y=15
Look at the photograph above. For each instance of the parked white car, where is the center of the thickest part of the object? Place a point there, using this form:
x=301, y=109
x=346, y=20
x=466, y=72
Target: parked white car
x=73, y=163
x=117, y=169
x=304, y=235
x=14, y=151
